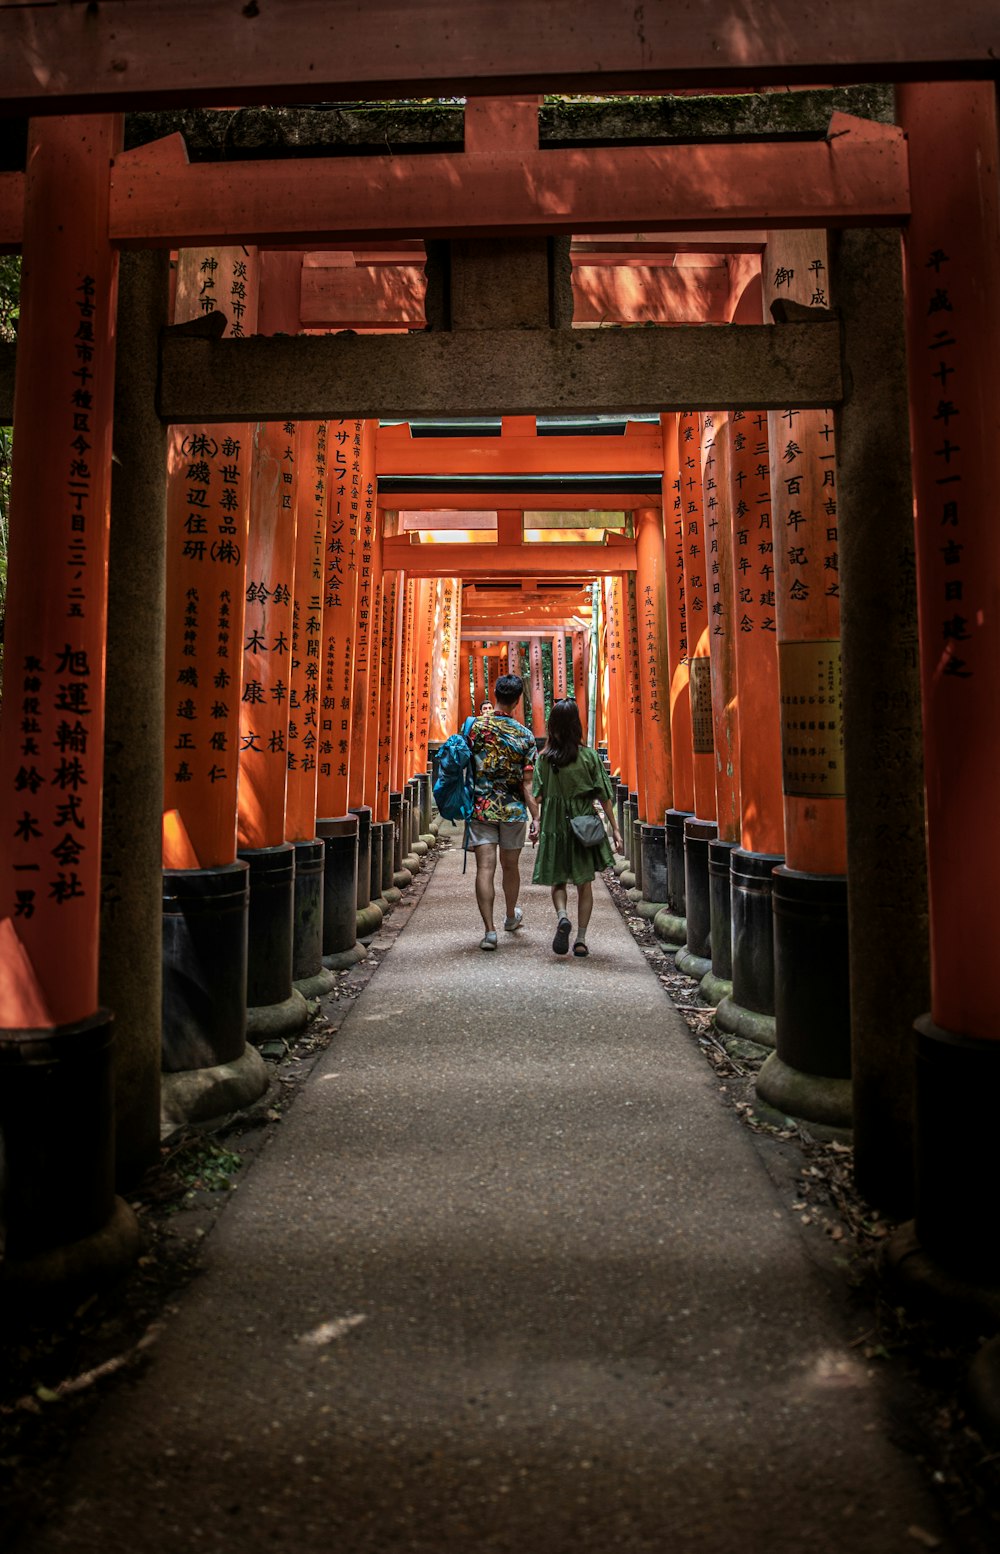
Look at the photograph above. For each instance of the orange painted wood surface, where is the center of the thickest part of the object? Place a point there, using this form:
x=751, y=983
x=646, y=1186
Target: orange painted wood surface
x=464, y=687
x=763, y=818
x=580, y=686
x=138, y=54
x=953, y=305
x=560, y=683
x=654, y=661
x=307, y=631
x=536, y=687
x=567, y=560
x=677, y=625
x=158, y=199
x=513, y=455
x=540, y=500
x=634, y=692
x=690, y=450
x=362, y=517
x=208, y=507
x=267, y=637
x=807, y=588
x=390, y=595
x=402, y=732
x=52, y=729
x=375, y=676
x=424, y=629
x=340, y=586
x=722, y=626
x=447, y=647
x=621, y=757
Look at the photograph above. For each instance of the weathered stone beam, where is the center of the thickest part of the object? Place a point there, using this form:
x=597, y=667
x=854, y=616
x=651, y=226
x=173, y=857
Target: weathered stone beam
x=514, y=372
x=131, y=53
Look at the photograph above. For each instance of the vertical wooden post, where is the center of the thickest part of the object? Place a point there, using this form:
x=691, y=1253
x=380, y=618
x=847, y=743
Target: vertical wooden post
x=560, y=688
x=335, y=824
x=749, y=1010
x=537, y=687
x=580, y=689
x=447, y=651
x=206, y=889
x=809, y=1074
x=654, y=686
x=55, y=1041
x=953, y=322
x=309, y=975
x=464, y=686
x=478, y=675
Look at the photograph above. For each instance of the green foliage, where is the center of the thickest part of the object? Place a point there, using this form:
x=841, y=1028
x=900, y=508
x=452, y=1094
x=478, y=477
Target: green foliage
x=210, y=1169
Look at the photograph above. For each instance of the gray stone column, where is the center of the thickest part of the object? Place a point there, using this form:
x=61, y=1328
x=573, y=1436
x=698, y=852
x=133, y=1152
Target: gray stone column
x=886, y=872
x=132, y=882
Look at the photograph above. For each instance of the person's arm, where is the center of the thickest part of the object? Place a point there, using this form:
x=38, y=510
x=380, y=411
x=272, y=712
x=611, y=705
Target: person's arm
x=528, y=787
x=609, y=809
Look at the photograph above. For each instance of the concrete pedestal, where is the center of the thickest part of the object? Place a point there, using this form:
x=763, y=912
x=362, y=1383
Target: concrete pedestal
x=749, y=1011
x=808, y=1076
x=274, y=1008
x=340, y=892
x=309, y=975
x=717, y=983
x=653, y=851
x=695, y=958
x=671, y=924
x=369, y=916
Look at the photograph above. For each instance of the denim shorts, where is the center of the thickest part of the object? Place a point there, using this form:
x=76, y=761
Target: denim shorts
x=509, y=833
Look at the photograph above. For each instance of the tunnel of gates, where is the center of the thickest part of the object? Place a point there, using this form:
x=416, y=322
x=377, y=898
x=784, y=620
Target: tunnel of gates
x=309, y=448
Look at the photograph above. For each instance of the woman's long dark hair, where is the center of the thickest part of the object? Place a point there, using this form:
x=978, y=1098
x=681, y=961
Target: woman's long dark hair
x=565, y=734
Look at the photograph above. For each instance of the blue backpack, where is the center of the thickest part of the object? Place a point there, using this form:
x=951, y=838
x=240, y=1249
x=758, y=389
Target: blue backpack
x=454, y=781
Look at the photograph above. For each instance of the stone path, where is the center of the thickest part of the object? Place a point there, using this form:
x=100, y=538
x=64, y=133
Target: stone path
x=508, y=1277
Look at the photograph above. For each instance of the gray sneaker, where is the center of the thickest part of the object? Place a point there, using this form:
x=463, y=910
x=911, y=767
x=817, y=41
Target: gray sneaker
x=512, y=924
x=489, y=940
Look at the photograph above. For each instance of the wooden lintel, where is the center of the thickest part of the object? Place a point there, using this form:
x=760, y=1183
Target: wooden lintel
x=143, y=53
x=535, y=503
x=599, y=455
x=857, y=177
x=485, y=372
x=497, y=561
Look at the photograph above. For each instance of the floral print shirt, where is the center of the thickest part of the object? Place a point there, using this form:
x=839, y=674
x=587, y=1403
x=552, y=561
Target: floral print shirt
x=504, y=753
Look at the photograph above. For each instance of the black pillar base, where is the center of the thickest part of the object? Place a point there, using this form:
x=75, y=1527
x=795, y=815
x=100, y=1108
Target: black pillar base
x=205, y=913
x=389, y=890
x=695, y=958
x=340, y=892
x=368, y=917
x=748, y=1012
x=309, y=976
x=274, y=1007
x=57, y=1121
x=717, y=983
x=379, y=899
x=633, y=884
x=653, y=850
x=808, y=1076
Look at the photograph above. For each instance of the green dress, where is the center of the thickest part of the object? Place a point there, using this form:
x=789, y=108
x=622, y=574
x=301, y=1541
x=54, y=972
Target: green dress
x=565, y=791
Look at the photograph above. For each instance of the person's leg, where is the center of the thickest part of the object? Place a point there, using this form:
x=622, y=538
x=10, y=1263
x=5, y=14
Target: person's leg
x=510, y=874
x=486, y=865
x=564, y=927
x=584, y=907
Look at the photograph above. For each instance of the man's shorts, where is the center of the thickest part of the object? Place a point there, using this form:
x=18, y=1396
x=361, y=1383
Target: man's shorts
x=509, y=833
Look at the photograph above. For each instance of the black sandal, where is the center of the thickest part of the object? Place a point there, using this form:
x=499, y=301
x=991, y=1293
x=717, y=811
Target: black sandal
x=560, y=942
x=580, y=949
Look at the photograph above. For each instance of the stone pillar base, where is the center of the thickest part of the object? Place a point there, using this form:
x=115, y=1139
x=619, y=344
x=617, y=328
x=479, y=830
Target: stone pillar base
x=369, y=920
x=627, y=878
x=666, y=925
x=265, y=1022
x=696, y=966
x=316, y=986
x=64, y=1273
x=650, y=909
x=714, y=989
x=343, y=960
x=822, y=1103
x=749, y=1024
x=401, y=878
x=203, y=1094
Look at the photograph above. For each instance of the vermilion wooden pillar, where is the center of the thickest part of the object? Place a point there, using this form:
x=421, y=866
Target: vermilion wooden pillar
x=55, y=1042
x=560, y=684
x=310, y=976
x=335, y=824
x=749, y=1011
x=580, y=689
x=447, y=651
x=464, y=686
x=632, y=877
x=478, y=676
x=363, y=516
x=206, y=888
x=385, y=815
x=953, y=320
x=537, y=687
x=809, y=1074
x=694, y=435
x=717, y=981
x=654, y=687
x=373, y=752
x=671, y=925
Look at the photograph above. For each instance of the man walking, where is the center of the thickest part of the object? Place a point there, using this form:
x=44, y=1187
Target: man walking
x=503, y=755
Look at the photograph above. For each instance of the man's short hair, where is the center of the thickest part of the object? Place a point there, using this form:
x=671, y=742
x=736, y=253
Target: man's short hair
x=508, y=688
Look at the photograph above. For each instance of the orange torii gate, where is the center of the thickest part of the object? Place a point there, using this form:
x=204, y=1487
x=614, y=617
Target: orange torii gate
x=869, y=164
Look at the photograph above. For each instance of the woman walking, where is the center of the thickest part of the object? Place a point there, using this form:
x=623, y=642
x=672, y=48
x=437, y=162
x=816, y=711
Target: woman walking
x=568, y=778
